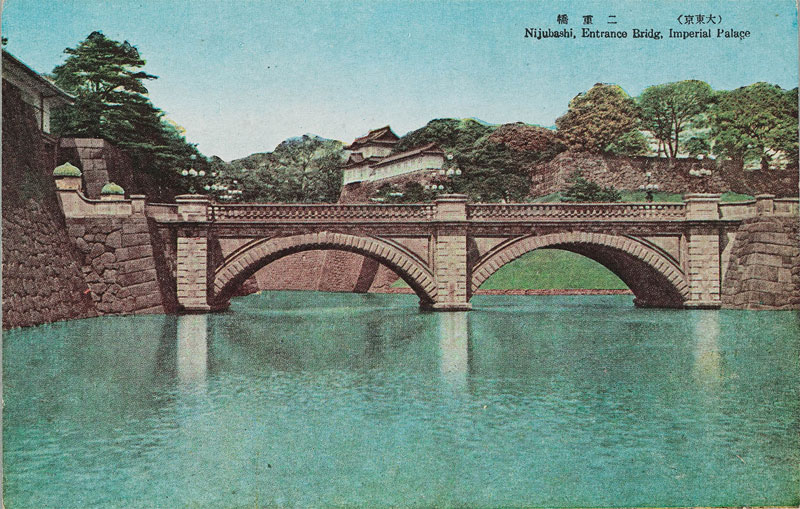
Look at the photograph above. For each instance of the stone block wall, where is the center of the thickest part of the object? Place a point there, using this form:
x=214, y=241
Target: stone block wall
x=119, y=264
x=622, y=172
x=100, y=161
x=450, y=260
x=764, y=271
x=299, y=271
x=704, y=268
x=42, y=280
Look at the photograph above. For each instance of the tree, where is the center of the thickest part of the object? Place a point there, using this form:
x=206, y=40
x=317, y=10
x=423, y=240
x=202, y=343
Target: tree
x=491, y=172
x=582, y=190
x=632, y=143
x=106, y=79
x=598, y=118
x=111, y=102
x=451, y=134
x=305, y=169
x=670, y=109
x=756, y=122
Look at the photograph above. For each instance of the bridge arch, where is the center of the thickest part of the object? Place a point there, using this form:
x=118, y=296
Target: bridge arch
x=654, y=279
x=251, y=257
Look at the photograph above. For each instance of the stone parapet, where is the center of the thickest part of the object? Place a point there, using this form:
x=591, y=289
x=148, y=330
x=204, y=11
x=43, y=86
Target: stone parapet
x=572, y=211
x=702, y=206
x=75, y=205
x=765, y=204
x=193, y=207
x=320, y=212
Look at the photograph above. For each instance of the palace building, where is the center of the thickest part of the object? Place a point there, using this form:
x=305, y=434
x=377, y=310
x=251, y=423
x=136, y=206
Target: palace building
x=370, y=158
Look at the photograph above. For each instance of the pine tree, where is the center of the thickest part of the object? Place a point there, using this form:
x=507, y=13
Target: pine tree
x=108, y=82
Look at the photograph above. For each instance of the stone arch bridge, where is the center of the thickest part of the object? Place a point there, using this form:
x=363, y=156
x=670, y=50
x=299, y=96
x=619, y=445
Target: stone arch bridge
x=669, y=254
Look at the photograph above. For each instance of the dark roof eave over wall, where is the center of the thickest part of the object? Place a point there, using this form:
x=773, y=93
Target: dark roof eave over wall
x=430, y=149
x=44, y=82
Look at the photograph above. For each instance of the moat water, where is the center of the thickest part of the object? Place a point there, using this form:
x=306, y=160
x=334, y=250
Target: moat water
x=314, y=399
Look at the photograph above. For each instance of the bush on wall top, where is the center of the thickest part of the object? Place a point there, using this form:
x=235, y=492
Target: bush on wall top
x=112, y=188
x=66, y=170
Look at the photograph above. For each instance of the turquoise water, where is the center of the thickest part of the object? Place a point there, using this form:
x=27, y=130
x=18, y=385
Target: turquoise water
x=314, y=399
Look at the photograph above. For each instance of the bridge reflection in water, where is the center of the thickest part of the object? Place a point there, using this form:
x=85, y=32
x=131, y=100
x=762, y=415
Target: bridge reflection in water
x=454, y=349
x=192, y=351
x=707, y=356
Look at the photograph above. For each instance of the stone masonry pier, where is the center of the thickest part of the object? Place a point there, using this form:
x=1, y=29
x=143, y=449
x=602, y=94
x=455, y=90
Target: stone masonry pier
x=194, y=255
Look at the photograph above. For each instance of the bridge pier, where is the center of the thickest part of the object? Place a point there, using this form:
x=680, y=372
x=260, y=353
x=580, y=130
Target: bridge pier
x=450, y=254
x=193, y=276
x=703, y=256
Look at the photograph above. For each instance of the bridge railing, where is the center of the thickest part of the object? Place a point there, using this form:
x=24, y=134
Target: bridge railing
x=737, y=210
x=787, y=206
x=764, y=204
x=321, y=212
x=523, y=211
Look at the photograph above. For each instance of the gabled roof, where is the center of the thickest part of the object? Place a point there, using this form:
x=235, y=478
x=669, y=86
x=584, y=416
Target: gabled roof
x=357, y=159
x=429, y=149
x=382, y=136
x=12, y=65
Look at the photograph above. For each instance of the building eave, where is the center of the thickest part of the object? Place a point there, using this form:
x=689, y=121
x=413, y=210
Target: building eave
x=430, y=149
x=48, y=89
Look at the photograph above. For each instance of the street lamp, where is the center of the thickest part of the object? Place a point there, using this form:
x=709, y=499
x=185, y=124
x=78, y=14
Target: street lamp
x=444, y=180
x=650, y=187
x=701, y=173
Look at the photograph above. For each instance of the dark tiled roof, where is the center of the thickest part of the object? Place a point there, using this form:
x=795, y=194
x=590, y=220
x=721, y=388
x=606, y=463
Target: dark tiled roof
x=360, y=160
x=382, y=136
x=355, y=157
x=430, y=148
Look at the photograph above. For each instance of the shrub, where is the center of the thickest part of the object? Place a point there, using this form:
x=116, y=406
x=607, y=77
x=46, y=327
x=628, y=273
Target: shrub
x=583, y=190
x=112, y=188
x=66, y=170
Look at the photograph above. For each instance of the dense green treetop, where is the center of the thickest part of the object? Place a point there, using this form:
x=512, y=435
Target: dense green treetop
x=668, y=110
x=491, y=170
x=756, y=122
x=582, y=190
x=305, y=169
x=597, y=118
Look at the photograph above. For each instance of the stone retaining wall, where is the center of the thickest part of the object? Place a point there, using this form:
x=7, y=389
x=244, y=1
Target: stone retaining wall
x=622, y=172
x=100, y=161
x=119, y=264
x=764, y=271
x=42, y=281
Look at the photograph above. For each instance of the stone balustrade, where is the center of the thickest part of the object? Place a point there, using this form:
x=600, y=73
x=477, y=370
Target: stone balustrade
x=764, y=204
x=567, y=211
x=321, y=212
x=697, y=206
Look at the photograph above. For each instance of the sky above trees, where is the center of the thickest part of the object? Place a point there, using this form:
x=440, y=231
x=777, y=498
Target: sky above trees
x=243, y=76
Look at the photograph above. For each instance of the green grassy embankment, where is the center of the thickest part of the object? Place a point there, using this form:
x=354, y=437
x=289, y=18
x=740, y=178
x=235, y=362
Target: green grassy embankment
x=550, y=269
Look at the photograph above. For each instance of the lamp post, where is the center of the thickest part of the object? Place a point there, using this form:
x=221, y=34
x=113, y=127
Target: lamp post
x=443, y=181
x=650, y=187
x=701, y=173
x=192, y=174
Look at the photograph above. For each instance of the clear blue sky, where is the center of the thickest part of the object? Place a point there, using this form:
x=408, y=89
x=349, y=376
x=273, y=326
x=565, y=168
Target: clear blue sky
x=241, y=76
